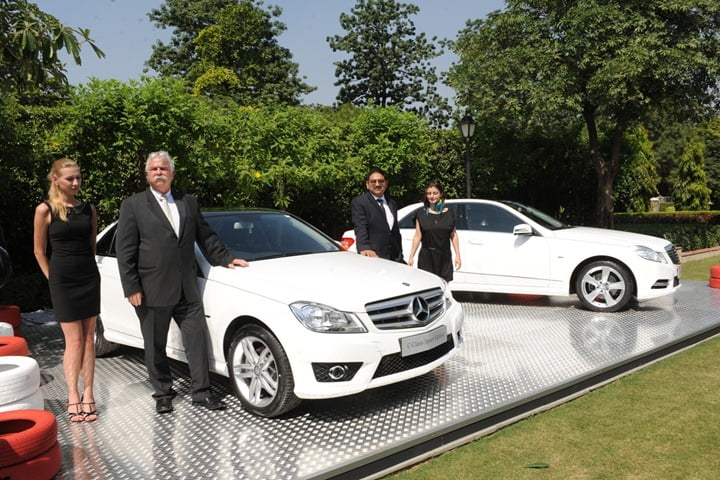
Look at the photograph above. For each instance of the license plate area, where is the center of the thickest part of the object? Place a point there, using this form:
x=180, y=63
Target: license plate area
x=423, y=342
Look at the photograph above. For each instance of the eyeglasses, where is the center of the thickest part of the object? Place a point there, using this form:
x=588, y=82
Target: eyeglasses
x=379, y=182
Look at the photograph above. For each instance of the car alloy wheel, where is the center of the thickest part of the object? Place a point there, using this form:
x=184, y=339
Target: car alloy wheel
x=604, y=286
x=260, y=372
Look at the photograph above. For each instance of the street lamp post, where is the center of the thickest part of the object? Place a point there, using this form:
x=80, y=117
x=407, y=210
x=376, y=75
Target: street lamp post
x=467, y=130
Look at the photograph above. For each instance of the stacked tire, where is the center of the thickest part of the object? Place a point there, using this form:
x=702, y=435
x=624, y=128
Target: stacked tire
x=11, y=314
x=30, y=449
x=715, y=276
x=19, y=374
x=20, y=384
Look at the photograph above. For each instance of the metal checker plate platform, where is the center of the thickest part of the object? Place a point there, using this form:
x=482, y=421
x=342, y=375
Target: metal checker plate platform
x=520, y=353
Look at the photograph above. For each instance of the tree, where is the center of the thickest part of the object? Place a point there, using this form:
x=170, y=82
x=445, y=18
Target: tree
x=239, y=56
x=638, y=178
x=29, y=44
x=542, y=64
x=691, y=191
x=710, y=133
x=389, y=61
x=187, y=18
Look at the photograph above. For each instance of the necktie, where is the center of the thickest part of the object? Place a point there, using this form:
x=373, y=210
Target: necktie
x=166, y=209
x=388, y=214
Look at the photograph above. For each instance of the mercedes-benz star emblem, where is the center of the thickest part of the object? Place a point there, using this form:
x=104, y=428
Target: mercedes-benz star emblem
x=420, y=309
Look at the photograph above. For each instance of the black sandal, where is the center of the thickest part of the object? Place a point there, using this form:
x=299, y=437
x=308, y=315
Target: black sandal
x=92, y=412
x=78, y=415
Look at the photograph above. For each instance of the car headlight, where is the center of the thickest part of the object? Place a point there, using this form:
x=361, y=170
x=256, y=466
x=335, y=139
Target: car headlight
x=649, y=254
x=324, y=319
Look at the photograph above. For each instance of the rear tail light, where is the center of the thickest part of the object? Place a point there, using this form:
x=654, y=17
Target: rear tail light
x=346, y=243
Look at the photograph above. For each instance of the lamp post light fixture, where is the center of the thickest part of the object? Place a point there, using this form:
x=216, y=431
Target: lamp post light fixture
x=467, y=130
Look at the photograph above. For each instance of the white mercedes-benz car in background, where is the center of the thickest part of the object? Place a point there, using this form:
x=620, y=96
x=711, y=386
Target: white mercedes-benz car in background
x=306, y=319
x=508, y=247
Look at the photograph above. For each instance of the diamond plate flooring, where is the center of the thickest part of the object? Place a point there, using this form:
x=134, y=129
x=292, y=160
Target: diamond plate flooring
x=520, y=353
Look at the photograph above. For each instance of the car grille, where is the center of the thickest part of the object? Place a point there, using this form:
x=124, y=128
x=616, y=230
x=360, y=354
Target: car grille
x=673, y=254
x=408, y=311
x=395, y=363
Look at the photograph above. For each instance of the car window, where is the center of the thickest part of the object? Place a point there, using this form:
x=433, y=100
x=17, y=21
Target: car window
x=489, y=218
x=106, y=245
x=536, y=215
x=260, y=235
x=408, y=221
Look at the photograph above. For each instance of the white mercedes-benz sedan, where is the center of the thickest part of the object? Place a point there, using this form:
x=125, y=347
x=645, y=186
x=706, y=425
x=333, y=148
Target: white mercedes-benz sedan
x=306, y=319
x=508, y=247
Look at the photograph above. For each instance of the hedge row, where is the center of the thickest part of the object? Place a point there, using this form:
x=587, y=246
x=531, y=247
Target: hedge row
x=689, y=230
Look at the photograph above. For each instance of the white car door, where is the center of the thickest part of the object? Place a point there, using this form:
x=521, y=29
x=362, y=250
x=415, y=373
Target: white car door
x=117, y=315
x=495, y=259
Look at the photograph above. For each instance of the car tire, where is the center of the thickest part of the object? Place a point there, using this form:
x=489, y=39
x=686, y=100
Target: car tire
x=19, y=378
x=6, y=330
x=11, y=314
x=102, y=346
x=44, y=466
x=13, y=346
x=604, y=286
x=260, y=372
x=34, y=401
x=715, y=271
x=27, y=434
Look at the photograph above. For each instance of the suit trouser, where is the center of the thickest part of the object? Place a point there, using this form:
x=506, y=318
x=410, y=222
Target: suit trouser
x=155, y=324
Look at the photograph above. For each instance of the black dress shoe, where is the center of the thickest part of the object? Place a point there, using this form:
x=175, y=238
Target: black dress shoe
x=163, y=405
x=211, y=403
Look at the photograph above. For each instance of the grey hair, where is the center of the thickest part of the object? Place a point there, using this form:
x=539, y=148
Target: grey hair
x=163, y=155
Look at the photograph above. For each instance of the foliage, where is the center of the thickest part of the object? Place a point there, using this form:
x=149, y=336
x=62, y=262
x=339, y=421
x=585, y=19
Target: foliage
x=388, y=60
x=691, y=191
x=638, y=178
x=110, y=128
x=397, y=142
x=18, y=180
x=30, y=40
x=691, y=230
x=239, y=56
x=710, y=133
x=187, y=18
x=669, y=139
x=540, y=65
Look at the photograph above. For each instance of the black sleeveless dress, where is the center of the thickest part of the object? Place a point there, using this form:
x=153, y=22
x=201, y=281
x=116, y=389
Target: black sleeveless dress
x=435, y=255
x=74, y=279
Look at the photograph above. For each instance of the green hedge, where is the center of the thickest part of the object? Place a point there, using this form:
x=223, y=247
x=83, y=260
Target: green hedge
x=689, y=230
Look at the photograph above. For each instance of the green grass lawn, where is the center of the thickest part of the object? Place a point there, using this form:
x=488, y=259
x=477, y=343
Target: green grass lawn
x=698, y=269
x=662, y=422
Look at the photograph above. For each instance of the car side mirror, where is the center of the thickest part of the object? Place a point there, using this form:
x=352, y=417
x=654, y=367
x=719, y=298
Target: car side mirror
x=522, y=229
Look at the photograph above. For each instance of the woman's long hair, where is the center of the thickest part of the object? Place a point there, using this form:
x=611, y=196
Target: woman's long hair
x=438, y=185
x=56, y=205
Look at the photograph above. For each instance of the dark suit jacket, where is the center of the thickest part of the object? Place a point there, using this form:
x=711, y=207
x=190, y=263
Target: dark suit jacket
x=371, y=229
x=152, y=258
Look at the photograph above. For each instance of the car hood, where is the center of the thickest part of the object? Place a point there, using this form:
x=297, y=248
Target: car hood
x=343, y=280
x=611, y=237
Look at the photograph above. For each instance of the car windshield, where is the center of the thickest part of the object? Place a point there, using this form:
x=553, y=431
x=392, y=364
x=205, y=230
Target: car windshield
x=257, y=235
x=536, y=215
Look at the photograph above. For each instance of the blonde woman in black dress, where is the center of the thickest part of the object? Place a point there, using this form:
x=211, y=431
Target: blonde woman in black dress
x=68, y=227
x=435, y=232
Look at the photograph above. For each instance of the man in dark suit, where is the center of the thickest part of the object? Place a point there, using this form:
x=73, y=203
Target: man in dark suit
x=374, y=218
x=155, y=237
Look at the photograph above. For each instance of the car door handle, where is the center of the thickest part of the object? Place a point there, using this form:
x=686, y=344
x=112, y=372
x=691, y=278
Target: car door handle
x=475, y=242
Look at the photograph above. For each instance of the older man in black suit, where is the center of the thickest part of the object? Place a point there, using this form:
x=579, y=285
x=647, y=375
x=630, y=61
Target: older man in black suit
x=374, y=217
x=156, y=257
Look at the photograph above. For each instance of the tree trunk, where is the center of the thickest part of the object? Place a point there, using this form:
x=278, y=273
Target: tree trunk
x=606, y=170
